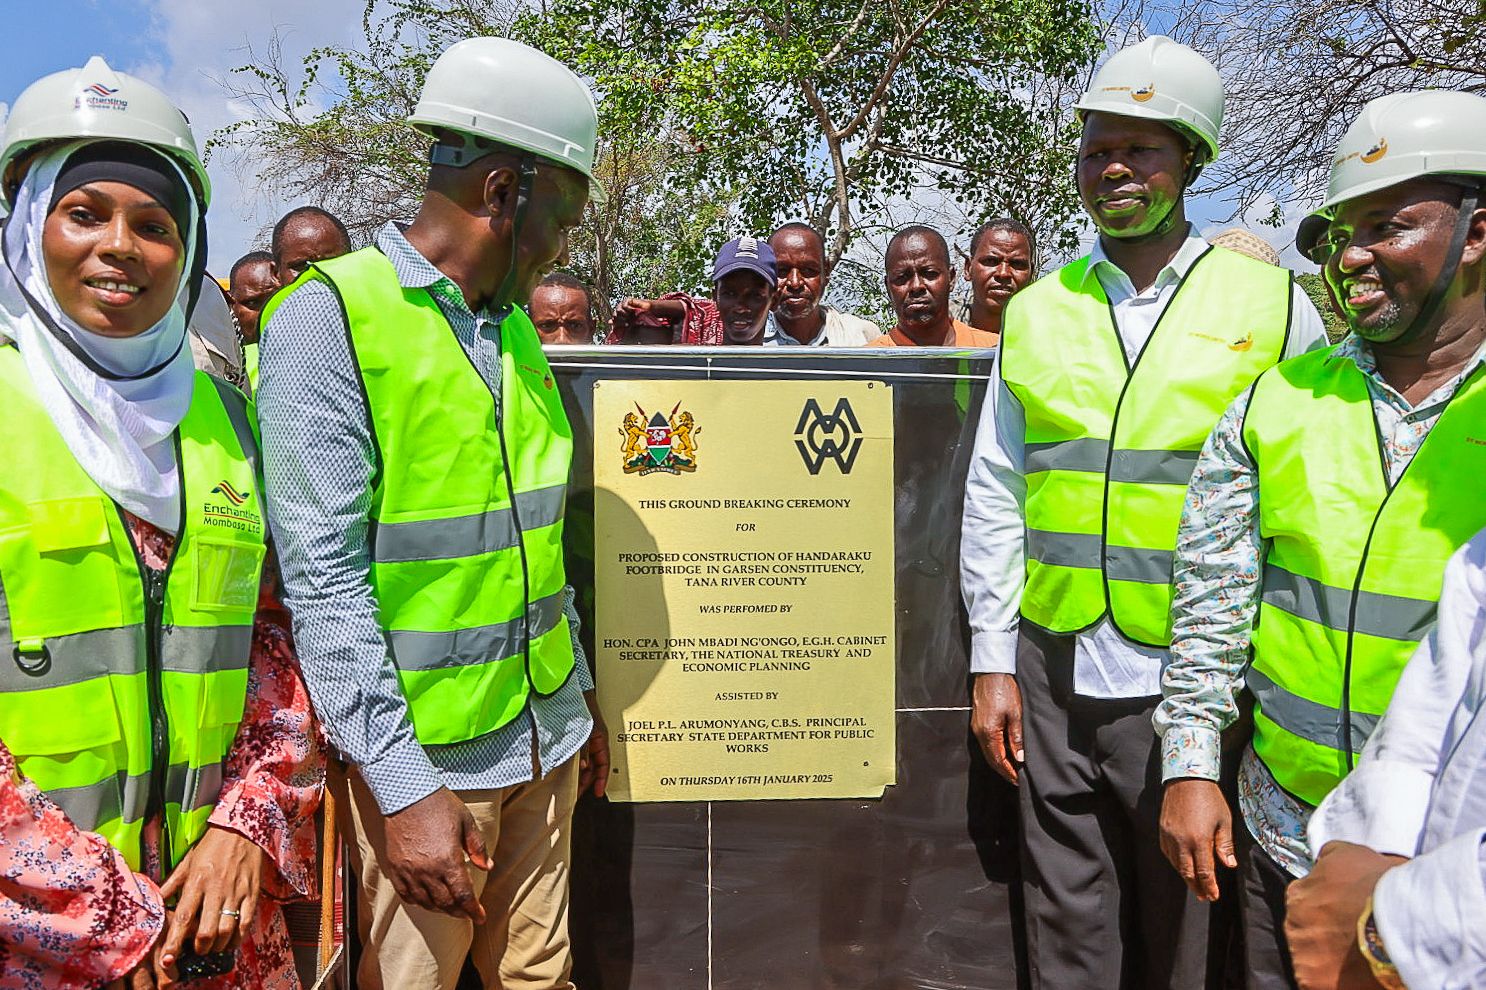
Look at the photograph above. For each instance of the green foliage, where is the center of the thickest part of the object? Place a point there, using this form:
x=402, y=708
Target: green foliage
x=835, y=110
x=1315, y=287
x=718, y=118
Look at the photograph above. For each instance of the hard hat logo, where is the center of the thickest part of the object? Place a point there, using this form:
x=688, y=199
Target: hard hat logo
x=95, y=103
x=100, y=97
x=1368, y=157
x=1163, y=80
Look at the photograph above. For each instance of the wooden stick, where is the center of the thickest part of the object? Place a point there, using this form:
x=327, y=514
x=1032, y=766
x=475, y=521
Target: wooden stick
x=330, y=841
x=323, y=980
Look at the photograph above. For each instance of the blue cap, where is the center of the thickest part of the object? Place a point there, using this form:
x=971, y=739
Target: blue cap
x=746, y=252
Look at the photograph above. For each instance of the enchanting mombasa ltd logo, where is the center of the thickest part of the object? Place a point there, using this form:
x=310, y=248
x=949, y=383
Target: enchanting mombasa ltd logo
x=231, y=515
x=97, y=96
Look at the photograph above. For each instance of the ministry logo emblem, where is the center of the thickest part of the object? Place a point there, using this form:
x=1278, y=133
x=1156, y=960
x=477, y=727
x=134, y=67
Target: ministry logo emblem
x=655, y=442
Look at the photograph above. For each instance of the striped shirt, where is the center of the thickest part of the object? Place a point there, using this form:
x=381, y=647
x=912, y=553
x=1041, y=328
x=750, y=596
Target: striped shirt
x=319, y=463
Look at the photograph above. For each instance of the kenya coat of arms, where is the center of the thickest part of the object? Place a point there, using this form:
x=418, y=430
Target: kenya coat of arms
x=654, y=442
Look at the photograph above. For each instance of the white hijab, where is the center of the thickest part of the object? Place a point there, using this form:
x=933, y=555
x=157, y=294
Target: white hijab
x=119, y=429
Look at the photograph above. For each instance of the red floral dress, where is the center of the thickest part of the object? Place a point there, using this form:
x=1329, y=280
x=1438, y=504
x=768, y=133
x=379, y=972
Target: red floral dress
x=72, y=914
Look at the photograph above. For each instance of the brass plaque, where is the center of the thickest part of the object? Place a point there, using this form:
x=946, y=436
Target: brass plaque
x=744, y=569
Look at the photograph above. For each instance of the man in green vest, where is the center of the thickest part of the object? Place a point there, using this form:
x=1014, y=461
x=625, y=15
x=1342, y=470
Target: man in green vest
x=417, y=457
x=1112, y=371
x=1324, y=507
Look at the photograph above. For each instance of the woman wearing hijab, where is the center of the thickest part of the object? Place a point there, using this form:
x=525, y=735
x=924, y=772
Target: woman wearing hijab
x=156, y=743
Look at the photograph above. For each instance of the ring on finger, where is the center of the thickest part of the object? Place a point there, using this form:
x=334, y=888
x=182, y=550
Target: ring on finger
x=230, y=913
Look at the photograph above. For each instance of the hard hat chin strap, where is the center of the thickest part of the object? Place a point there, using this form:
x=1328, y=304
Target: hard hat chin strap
x=504, y=297
x=467, y=153
x=1161, y=229
x=1470, y=198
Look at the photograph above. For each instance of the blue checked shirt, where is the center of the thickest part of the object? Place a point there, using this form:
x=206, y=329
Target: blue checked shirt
x=319, y=461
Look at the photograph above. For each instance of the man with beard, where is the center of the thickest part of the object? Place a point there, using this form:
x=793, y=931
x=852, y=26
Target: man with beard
x=799, y=316
x=1323, y=510
x=1001, y=263
x=1112, y=372
x=919, y=280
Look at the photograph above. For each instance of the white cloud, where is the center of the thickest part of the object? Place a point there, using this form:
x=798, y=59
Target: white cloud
x=199, y=42
x=1282, y=238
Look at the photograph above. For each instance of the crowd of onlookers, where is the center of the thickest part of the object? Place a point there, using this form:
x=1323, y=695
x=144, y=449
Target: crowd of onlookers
x=769, y=292
x=302, y=236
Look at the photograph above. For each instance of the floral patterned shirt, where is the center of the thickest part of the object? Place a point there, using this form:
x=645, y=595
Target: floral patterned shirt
x=1216, y=575
x=73, y=915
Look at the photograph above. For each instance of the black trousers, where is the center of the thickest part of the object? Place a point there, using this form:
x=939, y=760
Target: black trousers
x=1261, y=893
x=1105, y=910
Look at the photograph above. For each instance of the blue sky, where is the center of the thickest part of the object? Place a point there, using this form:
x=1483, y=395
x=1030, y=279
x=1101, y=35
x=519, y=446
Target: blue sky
x=46, y=35
x=185, y=47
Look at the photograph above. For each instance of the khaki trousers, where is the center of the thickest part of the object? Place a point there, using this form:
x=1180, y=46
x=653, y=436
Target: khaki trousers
x=524, y=941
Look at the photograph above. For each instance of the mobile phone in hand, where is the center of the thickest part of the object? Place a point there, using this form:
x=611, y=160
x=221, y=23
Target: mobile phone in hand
x=190, y=966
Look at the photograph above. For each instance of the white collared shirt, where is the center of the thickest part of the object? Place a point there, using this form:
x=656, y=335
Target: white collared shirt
x=1419, y=789
x=992, y=547
x=837, y=330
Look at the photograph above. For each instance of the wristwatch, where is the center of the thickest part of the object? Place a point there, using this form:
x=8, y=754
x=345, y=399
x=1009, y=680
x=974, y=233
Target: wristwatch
x=1370, y=943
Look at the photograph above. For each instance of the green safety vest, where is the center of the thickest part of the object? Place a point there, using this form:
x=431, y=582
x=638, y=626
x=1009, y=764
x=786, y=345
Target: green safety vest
x=1354, y=568
x=467, y=508
x=121, y=691
x=1110, y=448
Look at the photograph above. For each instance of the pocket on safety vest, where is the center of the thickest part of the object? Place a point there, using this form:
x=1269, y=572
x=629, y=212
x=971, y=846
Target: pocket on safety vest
x=226, y=577
x=57, y=568
x=63, y=524
x=71, y=718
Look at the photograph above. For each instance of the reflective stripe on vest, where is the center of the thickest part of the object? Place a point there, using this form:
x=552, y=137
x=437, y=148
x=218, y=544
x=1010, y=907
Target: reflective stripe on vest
x=81, y=657
x=1110, y=449
x=467, y=511
x=1354, y=567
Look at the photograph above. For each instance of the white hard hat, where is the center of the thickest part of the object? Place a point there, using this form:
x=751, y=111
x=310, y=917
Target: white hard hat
x=1403, y=136
x=504, y=91
x=97, y=102
x=1161, y=79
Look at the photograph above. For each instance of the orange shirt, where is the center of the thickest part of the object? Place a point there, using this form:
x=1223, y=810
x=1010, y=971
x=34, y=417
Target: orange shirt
x=965, y=336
